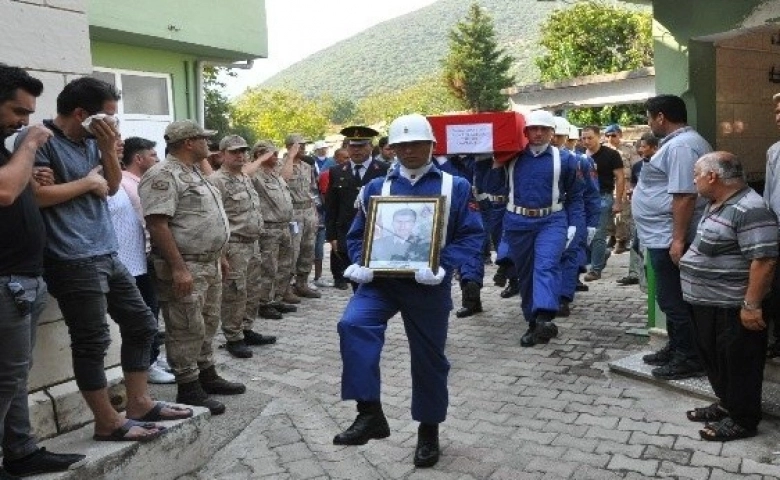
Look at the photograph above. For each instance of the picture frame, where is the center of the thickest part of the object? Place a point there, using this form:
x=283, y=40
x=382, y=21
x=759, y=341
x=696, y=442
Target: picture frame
x=403, y=234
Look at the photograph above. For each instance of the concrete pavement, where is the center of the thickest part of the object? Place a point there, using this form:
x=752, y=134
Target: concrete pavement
x=547, y=412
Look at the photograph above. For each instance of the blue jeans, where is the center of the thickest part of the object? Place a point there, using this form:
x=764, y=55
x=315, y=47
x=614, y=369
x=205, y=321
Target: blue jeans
x=22, y=299
x=598, y=247
x=668, y=294
x=319, y=243
x=87, y=289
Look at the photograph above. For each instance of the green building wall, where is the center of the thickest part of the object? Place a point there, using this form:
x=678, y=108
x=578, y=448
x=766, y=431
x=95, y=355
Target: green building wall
x=226, y=30
x=675, y=23
x=181, y=68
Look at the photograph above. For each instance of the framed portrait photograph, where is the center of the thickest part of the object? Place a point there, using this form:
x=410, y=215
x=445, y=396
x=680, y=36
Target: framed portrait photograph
x=402, y=234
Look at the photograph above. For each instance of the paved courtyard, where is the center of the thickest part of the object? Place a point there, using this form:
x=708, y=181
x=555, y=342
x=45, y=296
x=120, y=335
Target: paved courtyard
x=548, y=412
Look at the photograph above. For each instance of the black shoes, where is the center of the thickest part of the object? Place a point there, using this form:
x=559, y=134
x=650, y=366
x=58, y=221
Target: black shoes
x=238, y=349
x=499, y=279
x=472, y=303
x=192, y=393
x=341, y=284
x=540, y=331
x=426, y=454
x=283, y=307
x=564, y=310
x=253, y=338
x=581, y=287
x=40, y=461
x=214, y=384
x=269, y=312
x=464, y=312
x=659, y=358
x=628, y=280
x=369, y=424
x=679, y=368
x=528, y=340
x=512, y=289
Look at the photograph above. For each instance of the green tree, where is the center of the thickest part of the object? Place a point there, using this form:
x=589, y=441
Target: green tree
x=591, y=38
x=476, y=69
x=272, y=114
x=216, y=104
x=428, y=97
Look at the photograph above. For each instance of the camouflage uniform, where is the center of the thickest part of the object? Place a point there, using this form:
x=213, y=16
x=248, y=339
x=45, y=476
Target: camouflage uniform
x=305, y=216
x=200, y=229
x=242, y=207
x=275, y=242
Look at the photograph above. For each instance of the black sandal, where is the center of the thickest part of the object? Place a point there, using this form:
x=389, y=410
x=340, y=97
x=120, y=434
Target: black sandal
x=725, y=431
x=710, y=413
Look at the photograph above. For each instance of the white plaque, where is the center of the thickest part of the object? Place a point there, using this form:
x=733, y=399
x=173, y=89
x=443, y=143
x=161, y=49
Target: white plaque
x=474, y=138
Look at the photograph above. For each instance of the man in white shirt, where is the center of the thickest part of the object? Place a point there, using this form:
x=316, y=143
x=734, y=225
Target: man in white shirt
x=137, y=157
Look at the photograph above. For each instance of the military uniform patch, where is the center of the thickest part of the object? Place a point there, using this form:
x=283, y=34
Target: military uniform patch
x=161, y=185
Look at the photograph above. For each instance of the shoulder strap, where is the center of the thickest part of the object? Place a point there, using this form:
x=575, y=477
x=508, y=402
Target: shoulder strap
x=447, y=182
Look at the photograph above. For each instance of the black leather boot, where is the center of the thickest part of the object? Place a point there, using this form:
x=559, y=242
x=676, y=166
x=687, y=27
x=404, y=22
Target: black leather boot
x=499, y=279
x=545, y=328
x=370, y=423
x=427, y=452
x=213, y=383
x=472, y=303
x=529, y=339
x=192, y=394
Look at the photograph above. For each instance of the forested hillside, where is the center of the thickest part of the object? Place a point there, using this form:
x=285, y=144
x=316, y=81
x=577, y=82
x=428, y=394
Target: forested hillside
x=401, y=51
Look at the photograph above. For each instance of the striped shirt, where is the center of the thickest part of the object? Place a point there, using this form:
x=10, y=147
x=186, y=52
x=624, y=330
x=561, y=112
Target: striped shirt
x=716, y=269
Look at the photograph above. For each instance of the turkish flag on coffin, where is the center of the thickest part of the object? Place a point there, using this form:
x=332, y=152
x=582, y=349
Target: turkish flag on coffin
x=499, y=133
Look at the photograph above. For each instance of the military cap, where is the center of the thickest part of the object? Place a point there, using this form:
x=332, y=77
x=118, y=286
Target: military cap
x=359, y=135
x=263, y=146
x=233, y=142
x=294, y=138
x=184, y=129
x=614, y=128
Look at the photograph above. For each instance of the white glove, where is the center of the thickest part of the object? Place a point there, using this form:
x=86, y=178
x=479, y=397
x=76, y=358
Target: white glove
x=359, y=274
x=572, y=230
x=591, y=234
x=425, y=276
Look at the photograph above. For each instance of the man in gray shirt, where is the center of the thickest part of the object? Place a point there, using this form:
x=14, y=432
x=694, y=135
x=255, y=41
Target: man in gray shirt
x=666, y=210
x=772, y=199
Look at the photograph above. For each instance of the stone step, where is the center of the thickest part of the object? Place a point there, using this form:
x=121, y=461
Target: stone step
x=634, y=366
x=180, y=450
x=292, y=438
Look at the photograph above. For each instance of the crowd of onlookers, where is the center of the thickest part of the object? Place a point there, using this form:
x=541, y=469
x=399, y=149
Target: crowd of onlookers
x=221, y=232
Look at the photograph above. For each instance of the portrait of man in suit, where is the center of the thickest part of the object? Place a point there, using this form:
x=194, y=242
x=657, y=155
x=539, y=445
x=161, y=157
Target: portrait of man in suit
x=402, y=243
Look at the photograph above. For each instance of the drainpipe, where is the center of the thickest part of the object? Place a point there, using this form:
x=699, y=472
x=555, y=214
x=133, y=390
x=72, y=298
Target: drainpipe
x=200, y=101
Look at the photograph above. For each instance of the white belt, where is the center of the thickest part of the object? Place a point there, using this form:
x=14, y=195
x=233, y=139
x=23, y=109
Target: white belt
x=535, y=212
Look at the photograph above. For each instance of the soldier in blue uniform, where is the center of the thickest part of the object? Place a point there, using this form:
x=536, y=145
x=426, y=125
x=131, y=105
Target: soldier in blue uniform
x=423, y=301
x=575, y=254
x=471, y=272
x=544, y=186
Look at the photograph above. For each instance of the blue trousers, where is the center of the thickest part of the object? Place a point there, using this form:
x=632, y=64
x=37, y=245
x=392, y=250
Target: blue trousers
x=536, y=251
x=598, y=248
x=668, y=293
x=573, y=256
x=425, y=312
x=493, y=220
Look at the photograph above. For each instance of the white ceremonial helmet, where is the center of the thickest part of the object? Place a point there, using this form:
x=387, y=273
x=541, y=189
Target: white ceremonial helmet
x=574, y=132
x=562, y=126
x=410, y=128
x=540, y=118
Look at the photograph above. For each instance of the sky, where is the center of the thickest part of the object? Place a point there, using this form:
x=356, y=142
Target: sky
x=299, y=28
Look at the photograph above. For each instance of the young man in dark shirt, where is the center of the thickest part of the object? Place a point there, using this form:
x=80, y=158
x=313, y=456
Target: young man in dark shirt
x=22, y=289
x=609, y=167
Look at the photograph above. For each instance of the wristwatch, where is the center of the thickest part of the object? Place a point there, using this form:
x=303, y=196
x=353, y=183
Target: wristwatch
x=751, y=305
